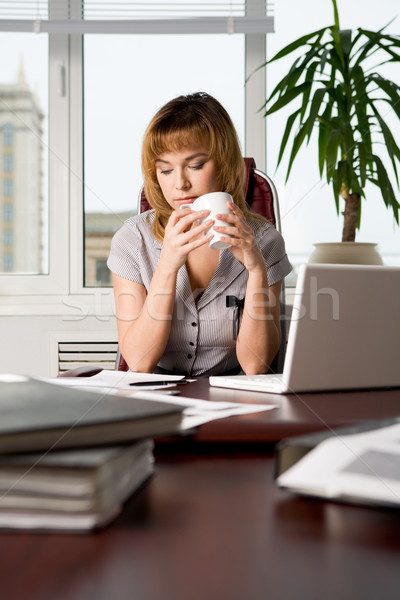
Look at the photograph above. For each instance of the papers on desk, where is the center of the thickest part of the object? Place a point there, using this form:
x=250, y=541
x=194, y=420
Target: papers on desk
x=121, y=380
x=361, y=467
x=196, y=412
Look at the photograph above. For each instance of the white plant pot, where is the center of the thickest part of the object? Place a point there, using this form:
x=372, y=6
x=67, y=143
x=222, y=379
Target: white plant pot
x=354, y=253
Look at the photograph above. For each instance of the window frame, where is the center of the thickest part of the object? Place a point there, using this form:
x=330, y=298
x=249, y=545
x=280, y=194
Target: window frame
x=56, y=280
x=65, y=278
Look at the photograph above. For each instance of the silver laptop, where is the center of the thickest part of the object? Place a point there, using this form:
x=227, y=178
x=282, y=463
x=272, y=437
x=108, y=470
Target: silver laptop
x=344, y=333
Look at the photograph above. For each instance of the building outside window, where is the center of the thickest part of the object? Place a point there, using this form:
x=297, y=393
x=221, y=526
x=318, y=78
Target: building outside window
x=22, y=122
x=8, y=134
x=8, y=262
x=8, y=188
x=8, y=213
x=8, y=237
x=103, y=275
x=8, y=163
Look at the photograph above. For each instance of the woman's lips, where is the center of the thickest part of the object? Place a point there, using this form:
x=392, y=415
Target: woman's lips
x=186, y=200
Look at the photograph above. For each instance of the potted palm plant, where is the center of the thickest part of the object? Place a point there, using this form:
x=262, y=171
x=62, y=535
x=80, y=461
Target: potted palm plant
x=340, y=93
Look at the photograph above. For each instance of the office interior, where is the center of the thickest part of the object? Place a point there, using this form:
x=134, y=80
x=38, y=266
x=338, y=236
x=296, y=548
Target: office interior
x=79, y=80
x=74, y=106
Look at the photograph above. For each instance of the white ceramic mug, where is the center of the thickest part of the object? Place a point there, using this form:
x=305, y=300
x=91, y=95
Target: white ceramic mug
x=215, y=202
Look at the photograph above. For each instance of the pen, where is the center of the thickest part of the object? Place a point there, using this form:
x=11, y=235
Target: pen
x=153, y=383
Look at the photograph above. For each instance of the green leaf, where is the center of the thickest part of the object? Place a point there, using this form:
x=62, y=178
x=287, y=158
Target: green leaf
x=308, y=38
x=336, y=74
x=392, y=148
x=364, y=51
x=297, y=143
x=336, y=14
x=288, y=128
x=332, y=149
x=362, y=154
x=336, y=60
x=391, y=89
x=345, y=40
x=288, y=97
x=314, y=108
x=363, y=125
x=348, y=139
x=288, y=81
x=308, y=79
x=295, y=72
x=386, y=187
x=338, y=96
x=324, y=130
x=338, y=175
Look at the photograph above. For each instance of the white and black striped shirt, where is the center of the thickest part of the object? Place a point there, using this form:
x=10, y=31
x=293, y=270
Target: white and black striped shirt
x=201, y=340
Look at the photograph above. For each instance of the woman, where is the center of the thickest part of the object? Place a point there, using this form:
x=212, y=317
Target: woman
x=170, y=288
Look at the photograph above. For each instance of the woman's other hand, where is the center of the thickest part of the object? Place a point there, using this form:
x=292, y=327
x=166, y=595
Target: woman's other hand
x=183, y=234
x=241, y=237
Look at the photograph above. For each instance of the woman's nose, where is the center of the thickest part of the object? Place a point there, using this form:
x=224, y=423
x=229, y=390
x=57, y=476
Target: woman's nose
x=182, y=182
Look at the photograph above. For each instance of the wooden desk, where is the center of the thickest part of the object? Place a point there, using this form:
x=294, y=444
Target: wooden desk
x=295, y=413
x=211, y=525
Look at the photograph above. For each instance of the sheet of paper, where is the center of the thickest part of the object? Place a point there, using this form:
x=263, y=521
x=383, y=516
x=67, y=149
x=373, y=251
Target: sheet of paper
x=118, y=379
x=364, y=465
x=196, y=411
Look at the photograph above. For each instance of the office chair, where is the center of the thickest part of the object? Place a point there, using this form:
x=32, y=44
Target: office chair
x=262, y=197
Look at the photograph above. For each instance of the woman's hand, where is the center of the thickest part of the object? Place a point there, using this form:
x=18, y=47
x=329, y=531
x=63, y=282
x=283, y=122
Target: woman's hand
x=183, y=234
x=244, y=246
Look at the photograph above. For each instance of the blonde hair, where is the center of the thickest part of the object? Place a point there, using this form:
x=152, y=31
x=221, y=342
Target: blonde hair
x=198, y=118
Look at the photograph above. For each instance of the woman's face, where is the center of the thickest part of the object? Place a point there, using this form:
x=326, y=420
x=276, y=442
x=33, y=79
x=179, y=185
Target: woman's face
x=186, y=174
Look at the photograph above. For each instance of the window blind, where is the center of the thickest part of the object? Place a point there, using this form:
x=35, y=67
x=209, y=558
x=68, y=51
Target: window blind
x=101, y=16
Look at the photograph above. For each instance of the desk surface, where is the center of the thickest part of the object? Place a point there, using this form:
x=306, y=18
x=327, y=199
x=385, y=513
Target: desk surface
x=294, y=413
x=212, y=525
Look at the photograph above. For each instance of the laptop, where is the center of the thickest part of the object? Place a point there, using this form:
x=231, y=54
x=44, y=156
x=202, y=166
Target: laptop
x=344, y=333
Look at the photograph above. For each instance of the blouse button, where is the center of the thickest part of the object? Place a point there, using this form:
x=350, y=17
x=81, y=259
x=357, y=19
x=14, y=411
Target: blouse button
x=191, y=343
x=194, y=324
x=189, y=356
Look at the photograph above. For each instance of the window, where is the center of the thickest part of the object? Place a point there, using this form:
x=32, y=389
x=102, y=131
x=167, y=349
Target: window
x=8, y=163
x=8, y=213
x=8, y=237
x=8, y=262
x=126, y=79
x=8, y=134
x=8, y=187
x=103, y=275
x=68, y=169
x=24, y=154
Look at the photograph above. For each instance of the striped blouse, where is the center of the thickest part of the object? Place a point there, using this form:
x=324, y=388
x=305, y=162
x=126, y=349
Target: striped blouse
x=201, y=341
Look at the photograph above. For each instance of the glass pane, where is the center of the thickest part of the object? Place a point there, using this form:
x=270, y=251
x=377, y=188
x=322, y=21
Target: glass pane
x=127, y=78
x=24, y=110
x=308, y=212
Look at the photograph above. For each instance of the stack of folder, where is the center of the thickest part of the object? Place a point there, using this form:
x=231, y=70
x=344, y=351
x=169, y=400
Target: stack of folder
x=70, y=458
x=358, y=464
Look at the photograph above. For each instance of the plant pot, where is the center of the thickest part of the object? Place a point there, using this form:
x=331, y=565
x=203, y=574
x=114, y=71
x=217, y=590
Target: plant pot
x=354, y=253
